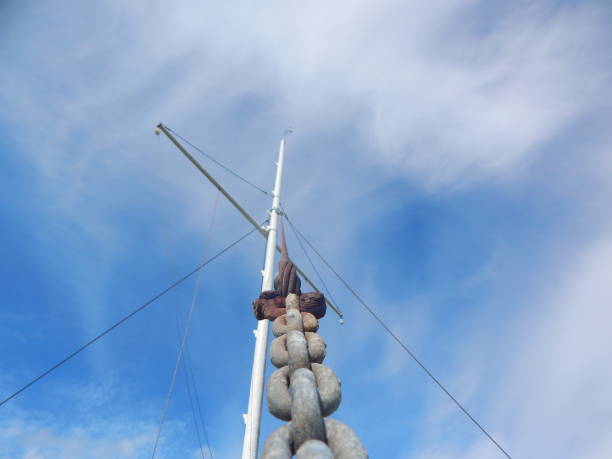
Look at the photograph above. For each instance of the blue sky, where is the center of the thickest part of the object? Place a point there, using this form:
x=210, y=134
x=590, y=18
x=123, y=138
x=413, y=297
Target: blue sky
x=452, y=160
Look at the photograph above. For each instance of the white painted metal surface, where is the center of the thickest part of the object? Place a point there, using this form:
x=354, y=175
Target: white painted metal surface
x=253, y=416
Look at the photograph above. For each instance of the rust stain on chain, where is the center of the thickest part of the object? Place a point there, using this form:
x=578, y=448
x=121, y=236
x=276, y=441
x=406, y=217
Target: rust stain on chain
x=272, y=303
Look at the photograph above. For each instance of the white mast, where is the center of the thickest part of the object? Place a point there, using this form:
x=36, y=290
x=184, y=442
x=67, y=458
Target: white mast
x=252, y=419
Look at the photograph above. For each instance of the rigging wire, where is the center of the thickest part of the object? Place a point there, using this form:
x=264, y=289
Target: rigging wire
x=177, y=365
x=179, y=327
x=327, y=291
x=189, y=368
x=125, y=318
x=193, y=413
x=191, y=385
x=202, y=152
x=190, y=381
x=183, y=344
x=404, y=347
x=186, y=366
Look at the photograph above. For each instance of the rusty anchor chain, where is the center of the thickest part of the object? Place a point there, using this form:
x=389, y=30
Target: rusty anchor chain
x=304, y=392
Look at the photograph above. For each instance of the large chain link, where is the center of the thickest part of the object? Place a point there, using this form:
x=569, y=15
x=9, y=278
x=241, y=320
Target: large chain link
x=303, y=392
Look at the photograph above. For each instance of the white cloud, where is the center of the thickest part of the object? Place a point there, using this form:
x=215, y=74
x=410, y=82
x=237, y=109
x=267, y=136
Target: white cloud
x=35, y=438
x=557, y=395
x=542, y=386
x=122, y=433
x=435, y=92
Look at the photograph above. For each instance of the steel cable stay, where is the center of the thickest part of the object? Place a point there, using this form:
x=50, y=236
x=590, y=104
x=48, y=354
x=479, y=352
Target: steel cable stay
x=193, y=413
x=162, y=128
x=124, y=319
x=312, y=265
x=177, y=365
x=398, y=340
x=183, y=349
x=218, y=163
x=193, y=395
x=190, y=380
x=191, y=387
x=189, y=371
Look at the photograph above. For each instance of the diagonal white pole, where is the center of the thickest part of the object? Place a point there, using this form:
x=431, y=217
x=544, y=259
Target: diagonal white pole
x=253, y=417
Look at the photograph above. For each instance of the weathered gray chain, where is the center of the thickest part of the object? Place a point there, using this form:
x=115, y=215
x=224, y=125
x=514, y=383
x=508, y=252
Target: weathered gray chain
x=303, y=391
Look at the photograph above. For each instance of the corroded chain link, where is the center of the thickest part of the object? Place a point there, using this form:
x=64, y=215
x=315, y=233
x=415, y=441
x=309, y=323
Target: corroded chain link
x=303, y=392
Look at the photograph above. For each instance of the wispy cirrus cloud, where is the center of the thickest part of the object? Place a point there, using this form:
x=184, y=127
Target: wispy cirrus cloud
x=443, y=94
